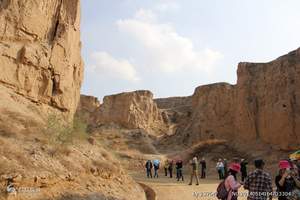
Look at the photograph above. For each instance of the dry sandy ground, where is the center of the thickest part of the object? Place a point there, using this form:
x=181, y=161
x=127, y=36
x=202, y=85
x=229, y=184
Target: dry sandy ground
x=170, y=189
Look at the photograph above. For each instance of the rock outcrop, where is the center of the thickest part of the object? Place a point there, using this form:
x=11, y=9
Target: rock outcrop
x=176, y=111
x=178, y=103
x=41, y=71
x=132, y=110
x=209, y=115
x=212, y=112
x=263, y=107
x=268, y=101
x=87, y=109
x=40, y=56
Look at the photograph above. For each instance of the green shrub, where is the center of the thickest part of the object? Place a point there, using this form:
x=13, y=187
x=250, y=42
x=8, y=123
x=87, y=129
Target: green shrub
x=60, y=134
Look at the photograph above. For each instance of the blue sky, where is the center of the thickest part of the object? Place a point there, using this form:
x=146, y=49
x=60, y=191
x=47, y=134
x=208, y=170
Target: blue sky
x=172, y=46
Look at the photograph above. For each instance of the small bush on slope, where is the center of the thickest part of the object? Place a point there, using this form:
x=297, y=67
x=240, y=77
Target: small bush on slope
x=60, y=134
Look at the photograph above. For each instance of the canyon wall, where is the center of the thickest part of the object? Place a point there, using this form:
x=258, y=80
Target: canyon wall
x=132, y=110
x=208, y=115
x=212, y=112
x=41, y=71
x=268, y=101
x=40, y=56
x=263, y=107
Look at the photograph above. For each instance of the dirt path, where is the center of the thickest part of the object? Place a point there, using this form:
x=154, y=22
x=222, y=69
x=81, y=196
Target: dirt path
x=170, y=189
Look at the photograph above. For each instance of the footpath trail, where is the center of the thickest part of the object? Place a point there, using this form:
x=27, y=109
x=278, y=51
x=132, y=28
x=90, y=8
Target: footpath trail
x=169, y=189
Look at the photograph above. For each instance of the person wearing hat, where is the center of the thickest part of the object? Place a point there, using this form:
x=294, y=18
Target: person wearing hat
x=231, y=183
x=259, y=183
x=286, y=181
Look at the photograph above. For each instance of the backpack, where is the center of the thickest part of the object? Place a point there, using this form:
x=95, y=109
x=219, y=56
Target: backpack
x=222, y=192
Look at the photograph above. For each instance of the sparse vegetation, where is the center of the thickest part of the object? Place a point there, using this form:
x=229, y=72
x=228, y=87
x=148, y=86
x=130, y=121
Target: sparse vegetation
x=60, y=134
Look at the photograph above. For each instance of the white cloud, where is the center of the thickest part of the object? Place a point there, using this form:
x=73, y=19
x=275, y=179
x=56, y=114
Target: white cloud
x=166, y=6
x=164, y=48
x=145, y=15
x=107, y=65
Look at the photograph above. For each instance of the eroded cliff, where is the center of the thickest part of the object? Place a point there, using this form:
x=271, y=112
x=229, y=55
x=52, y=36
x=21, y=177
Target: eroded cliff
x=268, y=101
x=263, y=107
x=132, y=110
x=41, y=71
x=40, y=56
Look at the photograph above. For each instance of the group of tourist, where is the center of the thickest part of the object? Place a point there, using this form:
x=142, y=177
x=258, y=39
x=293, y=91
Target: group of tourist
x=258, y=182
x=169, y=166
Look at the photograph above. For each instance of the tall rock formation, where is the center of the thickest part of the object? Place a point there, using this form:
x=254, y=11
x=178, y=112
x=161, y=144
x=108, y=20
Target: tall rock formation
x=87, y=108
x=263, y=107
x=132, y=110
x=268, y=101
x=209, y=115
x=213, y=115
x=40, y=73
x=40, y=56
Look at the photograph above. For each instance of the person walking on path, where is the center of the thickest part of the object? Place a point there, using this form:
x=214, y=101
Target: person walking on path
x=287, y=181
x=170, y=168
x=194, y=169
x=179, y=166
x=149, y=167
x=156, y=168
x=231, y=183
x=203, y=168
x=244, y=172
x=166, y=167
x=220, y=169
x=259, y=183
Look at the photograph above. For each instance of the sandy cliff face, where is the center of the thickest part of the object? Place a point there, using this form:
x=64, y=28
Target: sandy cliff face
x=209, y=115
x=40, y=73
x=40, y=51
x=263, y=107
x=132, y=110
x=268, y=101
x=88, y=103
x=213, y=112
x=87, y=108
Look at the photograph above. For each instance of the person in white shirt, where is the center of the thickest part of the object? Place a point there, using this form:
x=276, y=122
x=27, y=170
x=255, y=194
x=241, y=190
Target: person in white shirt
x=220, y=169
